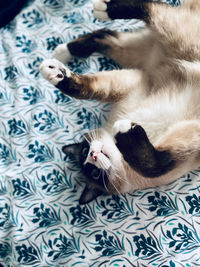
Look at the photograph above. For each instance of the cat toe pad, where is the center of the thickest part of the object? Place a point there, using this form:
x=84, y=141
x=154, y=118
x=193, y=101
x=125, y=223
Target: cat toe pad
x=54, y=71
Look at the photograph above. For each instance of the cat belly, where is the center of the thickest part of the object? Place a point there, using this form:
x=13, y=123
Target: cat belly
x=156, y=114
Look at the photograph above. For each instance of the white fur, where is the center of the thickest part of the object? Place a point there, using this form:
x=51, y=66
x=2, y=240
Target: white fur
x=96, y=146
x=192, y=68
x=102, y=161
x=99, y=5
x=100, y=9
x=121, y=126
x=51, y=68
x=156, y=113
x=62, y=53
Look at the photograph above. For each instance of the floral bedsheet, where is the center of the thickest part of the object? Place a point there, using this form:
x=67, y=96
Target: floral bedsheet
x=41, y=223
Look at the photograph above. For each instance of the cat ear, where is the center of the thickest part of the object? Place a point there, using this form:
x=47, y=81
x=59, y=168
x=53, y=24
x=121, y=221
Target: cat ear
x=88, y=195
x=72, y=150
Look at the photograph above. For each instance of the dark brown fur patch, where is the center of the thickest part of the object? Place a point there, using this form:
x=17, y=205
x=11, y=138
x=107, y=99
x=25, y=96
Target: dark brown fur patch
x=89, y=43
x=82, y=87
x=77, y=87
x=129, y=9
x=141, y=155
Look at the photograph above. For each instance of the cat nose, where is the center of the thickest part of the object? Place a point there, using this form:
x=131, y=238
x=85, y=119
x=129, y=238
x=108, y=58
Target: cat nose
x=94, y=155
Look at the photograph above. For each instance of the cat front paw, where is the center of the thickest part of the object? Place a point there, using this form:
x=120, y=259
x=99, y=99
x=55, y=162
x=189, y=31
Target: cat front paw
x=129, y=137
x=121, y=126
x=62, y=53
x=54, y=71
x=100, y=9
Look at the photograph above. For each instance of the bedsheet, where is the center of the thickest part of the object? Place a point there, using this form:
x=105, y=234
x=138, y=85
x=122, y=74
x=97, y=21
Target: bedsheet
x=41, y=222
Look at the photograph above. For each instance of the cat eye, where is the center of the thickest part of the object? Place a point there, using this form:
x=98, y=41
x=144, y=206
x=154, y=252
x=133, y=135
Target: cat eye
x=95, y=174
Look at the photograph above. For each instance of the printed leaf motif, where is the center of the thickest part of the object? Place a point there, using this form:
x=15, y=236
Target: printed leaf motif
x=82, y=216
x=117, y=210
x=32, y=95
x=4, y=214
x=27, y=255
x=53, y=42
x=194, y=202
x=11, y=73
x=53, y=3
x=32, y=19
x=56, y=182
x=40, y=153
x=86, y=119
x=6, y=156
x=109, y=245
x=182, y=238
x=146, y=246
x=17, y=128
x=61, y=98
x=107, y=64
x=78, y=2
x=45, y=121
x=78, y=65
x=22, y=188
x=5, y=250
x=5, y=217
x=46, y=216
x=65, y=247
x=26, y=45
x=73, y=17
x=34, y=66
x=163, y=205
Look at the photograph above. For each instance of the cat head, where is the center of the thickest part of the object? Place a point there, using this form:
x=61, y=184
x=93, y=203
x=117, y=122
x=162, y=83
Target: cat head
x=101, y=162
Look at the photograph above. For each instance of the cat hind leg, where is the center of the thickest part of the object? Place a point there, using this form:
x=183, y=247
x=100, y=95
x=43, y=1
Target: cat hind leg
x=97, y=41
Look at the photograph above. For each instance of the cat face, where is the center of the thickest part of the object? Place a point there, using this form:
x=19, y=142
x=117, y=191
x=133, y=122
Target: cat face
x=101, y=163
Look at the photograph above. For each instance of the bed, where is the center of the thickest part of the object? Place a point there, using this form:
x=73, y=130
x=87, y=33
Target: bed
x=41, y=222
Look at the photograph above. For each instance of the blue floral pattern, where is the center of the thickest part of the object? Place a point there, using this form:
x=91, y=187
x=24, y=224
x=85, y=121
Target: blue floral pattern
x=41, y=222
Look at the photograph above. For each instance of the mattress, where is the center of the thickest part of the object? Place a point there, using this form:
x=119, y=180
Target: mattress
x=41, y=221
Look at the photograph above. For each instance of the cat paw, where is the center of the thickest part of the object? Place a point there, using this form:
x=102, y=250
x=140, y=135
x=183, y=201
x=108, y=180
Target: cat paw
x=121, y=126
x=62, y=53
x=100, y=9
x=54, y=71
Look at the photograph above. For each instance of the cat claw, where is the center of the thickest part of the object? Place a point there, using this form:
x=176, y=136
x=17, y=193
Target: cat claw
x=54, y=71
x=100, y=8
x=62, y=53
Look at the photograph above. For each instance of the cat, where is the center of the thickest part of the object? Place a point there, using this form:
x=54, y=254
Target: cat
x=152, y=135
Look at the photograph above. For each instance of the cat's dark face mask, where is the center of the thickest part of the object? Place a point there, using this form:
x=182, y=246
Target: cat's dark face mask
x=96, y=179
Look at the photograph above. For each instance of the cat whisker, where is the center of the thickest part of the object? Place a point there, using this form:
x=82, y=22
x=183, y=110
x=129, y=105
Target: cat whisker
x=95, y=133
x=104, y=183
x=86, y=139
x=106, y=171
x=122, y=179
x=115, y=188
x=118, y=176
x=90, y=136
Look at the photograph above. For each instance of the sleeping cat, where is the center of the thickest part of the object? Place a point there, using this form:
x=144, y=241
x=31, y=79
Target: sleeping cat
x=152, y=136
